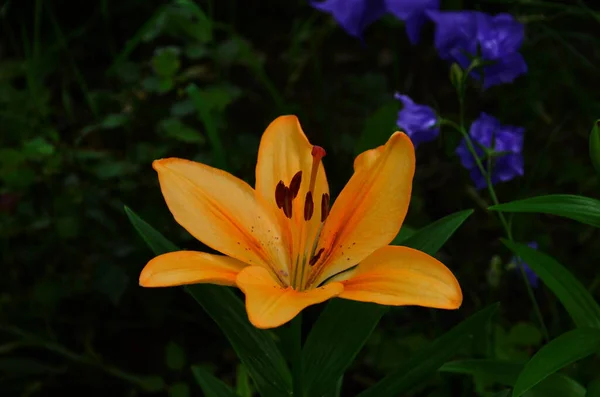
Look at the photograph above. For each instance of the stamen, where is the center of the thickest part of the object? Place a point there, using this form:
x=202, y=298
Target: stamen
x=309, y=207
x=317, y=153
x=280, y=194
x=287, y=202
x=315, y=258
x=295, y=184
x=324, y=206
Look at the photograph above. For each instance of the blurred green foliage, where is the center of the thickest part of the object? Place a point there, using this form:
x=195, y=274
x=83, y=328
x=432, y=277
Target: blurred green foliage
x=91, y=95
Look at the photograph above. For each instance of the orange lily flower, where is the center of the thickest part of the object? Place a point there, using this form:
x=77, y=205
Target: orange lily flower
x=284, y=247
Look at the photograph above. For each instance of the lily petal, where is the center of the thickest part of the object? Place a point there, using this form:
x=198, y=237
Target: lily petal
x=284, y=152
x=190, y=267
x=369, y=211
x=221, y=211
x=401, y=276
x=269, y=305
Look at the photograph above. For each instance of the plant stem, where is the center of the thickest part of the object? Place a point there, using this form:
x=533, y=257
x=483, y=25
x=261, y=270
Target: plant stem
x=488, y=177
x=296, y=353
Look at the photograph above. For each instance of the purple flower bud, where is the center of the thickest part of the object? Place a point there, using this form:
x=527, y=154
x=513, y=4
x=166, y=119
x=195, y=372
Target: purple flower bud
x=531, y=276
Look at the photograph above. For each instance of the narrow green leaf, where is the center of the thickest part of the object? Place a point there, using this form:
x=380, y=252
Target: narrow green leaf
x=155, y=240
x=595, y=145
x=558, y=353
x=557, y=385
x=255, y=348
x=579, y=208
x=500, y=371
x=507, y=372
x=433, y=236
x=334, y=341
x=578, y=302
x=344, y=326
x=210, y=385
x=430, y=359
x=593, y=388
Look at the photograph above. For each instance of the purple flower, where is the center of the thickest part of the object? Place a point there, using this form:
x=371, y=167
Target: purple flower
x=355, y=15
x=412, y=12
x=418, y=121
x=503, y=143
x=463, y=35
x=531, y=276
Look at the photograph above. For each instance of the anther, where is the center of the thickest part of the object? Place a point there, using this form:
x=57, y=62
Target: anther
x=287, y=202
x=324, y=206
x=309, y=206
x=280, y=194
x=295, y=184
x=315, y=258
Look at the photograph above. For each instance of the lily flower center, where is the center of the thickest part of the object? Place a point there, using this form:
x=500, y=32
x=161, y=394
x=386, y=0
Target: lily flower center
x=299, y=224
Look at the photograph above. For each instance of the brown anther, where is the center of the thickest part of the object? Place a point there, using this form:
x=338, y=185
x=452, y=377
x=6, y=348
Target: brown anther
x=280, y=194
x=324, y=206
x=287, y=203
x=309, y=206
x=295, y=184
x=315, y=258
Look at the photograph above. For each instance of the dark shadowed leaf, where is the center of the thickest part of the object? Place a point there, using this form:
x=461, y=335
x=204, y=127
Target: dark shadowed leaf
x=558, y=353
x=579, y=208
x=255, y=348
x=581, y=306
x=344, y=326
x=423, y=364
x=210, y=385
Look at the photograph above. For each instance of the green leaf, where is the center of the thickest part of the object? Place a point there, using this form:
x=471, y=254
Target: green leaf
x=255, y=348
x=179, y=389
x=506, y=373
x=500, y=371
x=210, y=385
x=166, y=61
x=204, y=102
x=593, y=388
x=579, y=208
x=243, y=386
x=525, y=334
x=334, y=341
x=330, y=347
x=433, y=236
x=558, y=353
x=578, y=302
x=114, y=120
x=156, y=241
x=378, y=127
x=430, y=359
x=557, y=385
x=595, y=145
x=177, y=129
x=174, y=356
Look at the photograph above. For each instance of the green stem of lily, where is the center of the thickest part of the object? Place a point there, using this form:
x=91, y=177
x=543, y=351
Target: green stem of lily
x=296, y=355
x=460, y=127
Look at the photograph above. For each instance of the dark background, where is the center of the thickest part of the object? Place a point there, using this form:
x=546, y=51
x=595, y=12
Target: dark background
x=92, y=92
